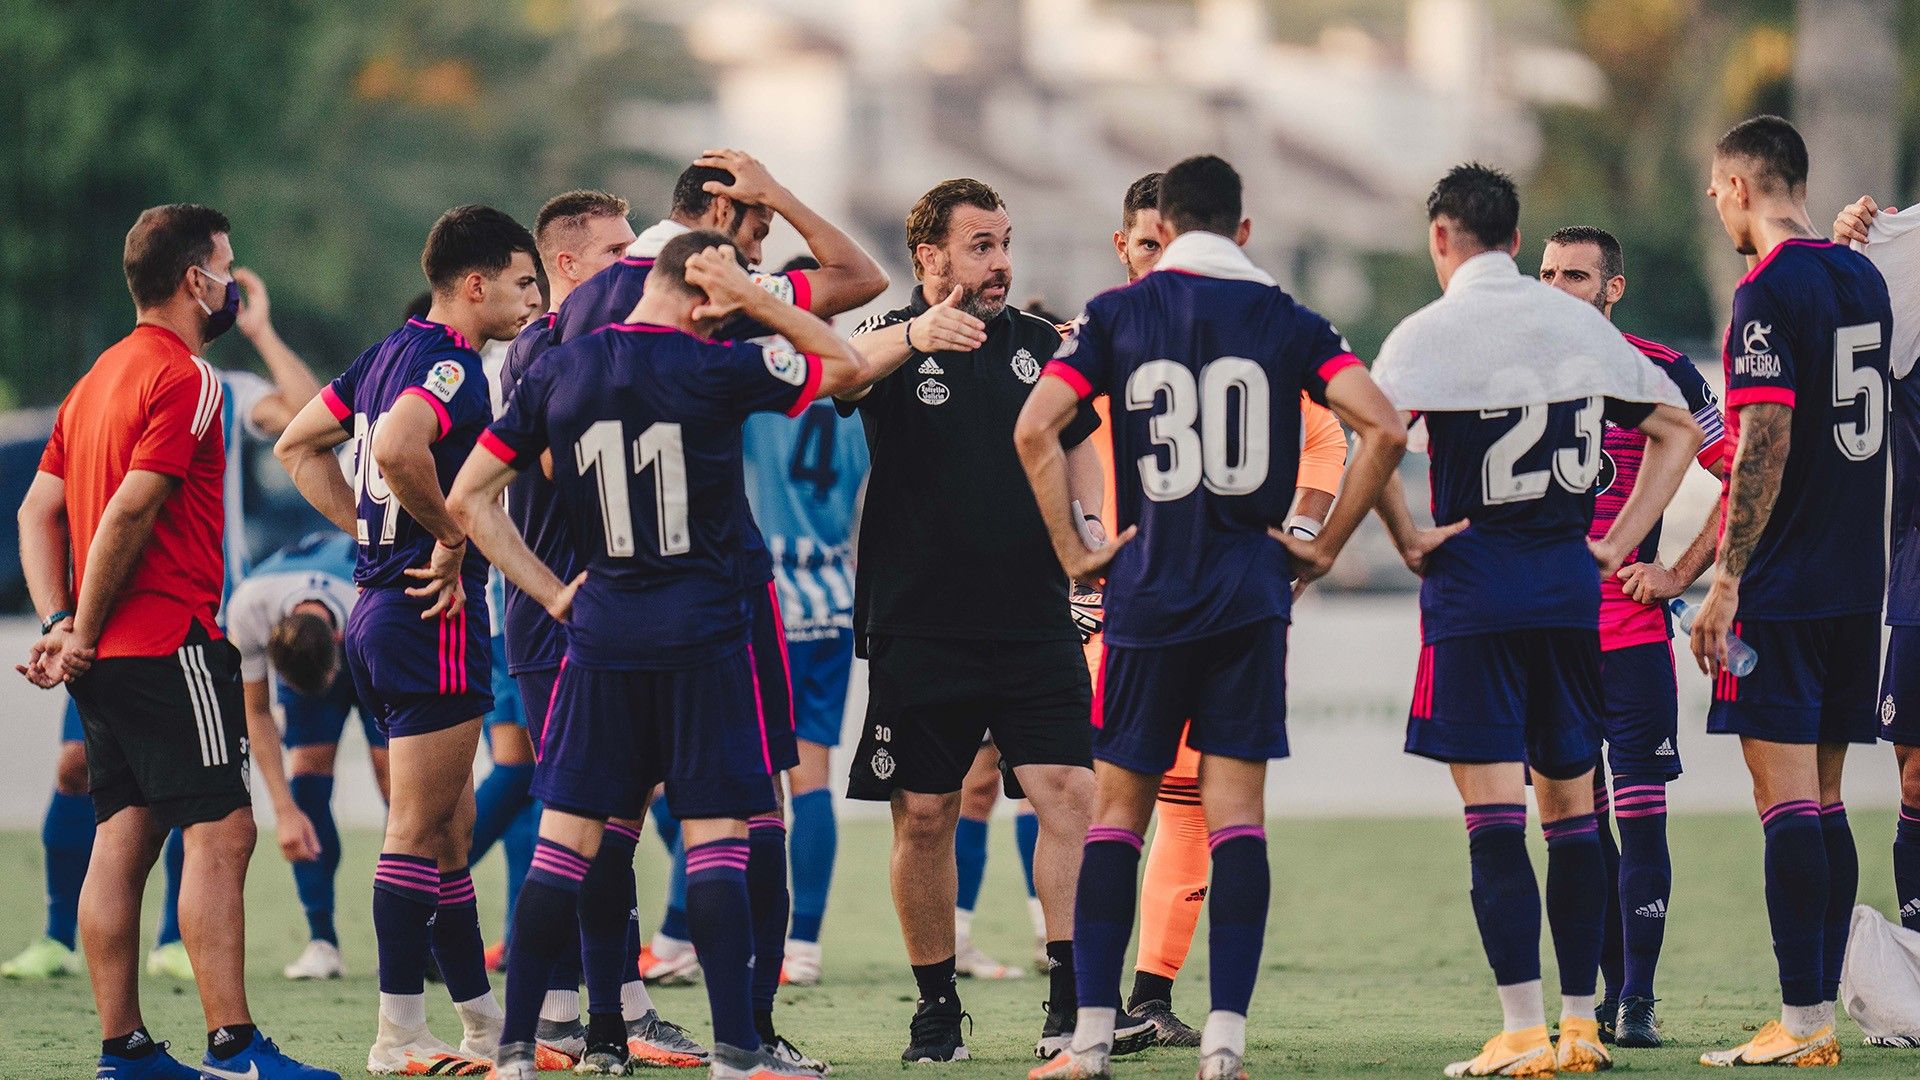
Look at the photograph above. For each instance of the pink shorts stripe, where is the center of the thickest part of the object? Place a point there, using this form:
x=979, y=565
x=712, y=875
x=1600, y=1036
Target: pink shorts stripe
x=1110, y=834
x=1235, y=832
x=759, y=712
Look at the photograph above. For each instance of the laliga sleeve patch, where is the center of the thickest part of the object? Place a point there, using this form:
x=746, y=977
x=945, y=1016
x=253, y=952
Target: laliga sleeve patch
x=1070, y=339
x=785, y=364
x=779, y=286
x=444, y=380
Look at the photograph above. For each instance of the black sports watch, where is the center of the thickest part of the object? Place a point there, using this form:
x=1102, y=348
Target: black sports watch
x=47, y=624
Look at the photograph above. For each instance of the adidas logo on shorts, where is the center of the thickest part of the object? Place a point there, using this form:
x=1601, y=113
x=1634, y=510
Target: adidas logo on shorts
x=1655, y=910
x=1911, y=908
x=1665, y=750
x=930, y=367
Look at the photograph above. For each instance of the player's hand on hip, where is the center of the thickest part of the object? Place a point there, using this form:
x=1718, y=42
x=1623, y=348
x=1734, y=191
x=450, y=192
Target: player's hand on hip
x=253, y=317
x=717, y=273
x=1713, y=624
x=562, y=606
x=1649, y=583
x=298, y=840
x=1608, y=557
x=1855, y=217
x=752, y=183
x=441, y=580
x=1311, y=559
x=1426, y=541
x=945, y=328
x=1089, y=565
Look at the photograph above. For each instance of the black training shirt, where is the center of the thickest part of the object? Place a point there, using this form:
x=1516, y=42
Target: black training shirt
x=951, y=542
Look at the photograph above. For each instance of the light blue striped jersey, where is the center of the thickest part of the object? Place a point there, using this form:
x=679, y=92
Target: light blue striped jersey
x=804, y=478
x=324, y=551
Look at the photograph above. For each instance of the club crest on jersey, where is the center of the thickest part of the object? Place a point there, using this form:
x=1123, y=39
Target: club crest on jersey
x=1886, y=712
x=933, y=392
x=444, y=379
x=785, y=364
x=1025, y=367
x=882, y=764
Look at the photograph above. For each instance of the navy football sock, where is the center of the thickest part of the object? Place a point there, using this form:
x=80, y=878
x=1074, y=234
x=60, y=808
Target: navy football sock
x=1103, y=908
x=544, y=927
x=1797, y=886
x=1236, y=914
x=67, y=837
x=1506, y=896
x=1646, y=877
x=1026, y=836
x=771, y=904
x=1576, y=900
x=313, y=881
x=720, y=918
x=605, y=904
x=1906, y=866
x=814, y=842
x=406, y=890
x=497, y=802
x=173, y=863
x=457, y=946
x=1612, y=943
x=1843, y=885
x=969, y=861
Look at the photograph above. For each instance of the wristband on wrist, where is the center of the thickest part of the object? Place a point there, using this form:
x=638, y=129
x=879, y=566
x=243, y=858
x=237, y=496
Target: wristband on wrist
x=909, y=326
x=1302, y=526
x=47, y=624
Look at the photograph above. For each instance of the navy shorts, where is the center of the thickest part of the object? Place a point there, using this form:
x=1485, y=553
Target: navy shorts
x=820, y=670
x=1816, y=681
x=320, y=721
x=536, y=697
x=1529, y=696
x=768, y=652
x=419, y=676
x=1640, y=715
x=1229, y=691
x=611, y=736
x=70, y=727
x=1900, y=687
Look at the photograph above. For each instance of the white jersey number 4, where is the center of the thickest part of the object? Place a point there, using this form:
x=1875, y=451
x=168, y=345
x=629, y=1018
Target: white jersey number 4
x=1231, y=392
x=602, y=449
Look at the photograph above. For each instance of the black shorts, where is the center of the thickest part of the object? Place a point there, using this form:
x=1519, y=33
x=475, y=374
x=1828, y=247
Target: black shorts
x=167, y=733
x=930, y=699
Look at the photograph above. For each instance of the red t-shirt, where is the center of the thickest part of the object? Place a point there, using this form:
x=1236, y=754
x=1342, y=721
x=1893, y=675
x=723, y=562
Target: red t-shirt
x=148, y=404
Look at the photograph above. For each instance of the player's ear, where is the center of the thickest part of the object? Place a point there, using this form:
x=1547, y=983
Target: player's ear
x=474, y=286
x=1120, y=245
x=1616, y=288
x=1513, y=244
x=1245, y=231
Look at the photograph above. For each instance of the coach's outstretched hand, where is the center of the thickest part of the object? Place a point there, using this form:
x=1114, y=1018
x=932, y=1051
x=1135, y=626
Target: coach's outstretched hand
x=442, y=580
x=945, y=328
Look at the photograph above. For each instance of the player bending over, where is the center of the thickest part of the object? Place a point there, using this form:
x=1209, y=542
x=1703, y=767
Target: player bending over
x=1209, y=364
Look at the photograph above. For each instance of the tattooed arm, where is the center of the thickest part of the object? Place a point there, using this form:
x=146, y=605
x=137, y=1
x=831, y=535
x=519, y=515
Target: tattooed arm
x=1766, y=434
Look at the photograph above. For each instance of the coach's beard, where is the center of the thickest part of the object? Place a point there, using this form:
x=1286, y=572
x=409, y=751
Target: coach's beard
x=976, y=303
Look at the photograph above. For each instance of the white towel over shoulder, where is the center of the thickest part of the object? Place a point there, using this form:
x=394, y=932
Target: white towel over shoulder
x=1500, y=340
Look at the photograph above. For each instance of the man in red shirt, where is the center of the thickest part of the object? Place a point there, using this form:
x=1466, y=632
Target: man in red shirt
x=120, y=541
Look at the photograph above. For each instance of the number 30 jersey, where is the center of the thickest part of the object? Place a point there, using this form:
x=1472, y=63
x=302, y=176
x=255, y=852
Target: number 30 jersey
x=1204, y=376
x=1810, y=330
x=1525, y=478
x=645, y=427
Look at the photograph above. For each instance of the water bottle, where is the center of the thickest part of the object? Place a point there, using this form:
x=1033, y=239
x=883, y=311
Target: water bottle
x=1740, y=655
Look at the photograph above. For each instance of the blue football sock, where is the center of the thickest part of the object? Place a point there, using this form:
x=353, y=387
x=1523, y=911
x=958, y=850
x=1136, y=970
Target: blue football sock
x=665, y=825
x=457, y=946
x=313, y=881
x=498, y=803
x=1236, y=914
x=545, y=927
x=720, y=918
x=1797, y=886
x=970, y=859
x=1612, y=940
x=674, y=923
x=771, y=905
x=1906, y=866
x=1646, y=877
x=173, y=862
x=67, y=836
x=517, y=845
x=1026, y=836
x=1103, y=908
x=406, y=890
x=1506, y=896
x=605, y=901
x=1843, y=885
x=813, y=844
x=1576, y=900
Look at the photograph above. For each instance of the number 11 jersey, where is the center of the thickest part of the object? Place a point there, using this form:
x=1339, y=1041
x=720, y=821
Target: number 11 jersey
x=645, y=427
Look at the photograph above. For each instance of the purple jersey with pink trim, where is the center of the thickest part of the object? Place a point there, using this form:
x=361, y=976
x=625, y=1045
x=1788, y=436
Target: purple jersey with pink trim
x=1205, y=376
x=645, y=425
x=1624, y=621
x=1811, y=326
x=437, y=365
x=609, y=297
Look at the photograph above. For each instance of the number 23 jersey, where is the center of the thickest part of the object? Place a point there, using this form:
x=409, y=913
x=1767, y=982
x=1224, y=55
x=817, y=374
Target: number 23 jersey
x=645, y=427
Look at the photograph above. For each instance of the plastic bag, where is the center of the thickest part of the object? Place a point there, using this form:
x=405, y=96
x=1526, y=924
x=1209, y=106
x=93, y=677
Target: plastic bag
x=1880, y=982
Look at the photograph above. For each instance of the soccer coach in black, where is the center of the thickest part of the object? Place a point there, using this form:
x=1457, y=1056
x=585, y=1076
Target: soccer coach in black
x=960, y=606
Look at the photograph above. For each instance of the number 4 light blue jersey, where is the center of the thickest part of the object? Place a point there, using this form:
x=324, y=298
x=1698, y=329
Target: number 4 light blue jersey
x=645, y=427
x=804, y=480
x=1204, y=372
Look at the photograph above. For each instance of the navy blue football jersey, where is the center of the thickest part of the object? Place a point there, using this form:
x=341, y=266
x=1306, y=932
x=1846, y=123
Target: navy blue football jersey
x=1204, y=376
x=535, y=642
x=1810, y=330
x=1526, y=478
x=1903, y=582
x=436, y=364
x=609, y=297
x=645, y=427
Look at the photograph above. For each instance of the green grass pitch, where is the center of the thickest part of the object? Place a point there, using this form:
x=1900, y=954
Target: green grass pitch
x=1371, y=967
